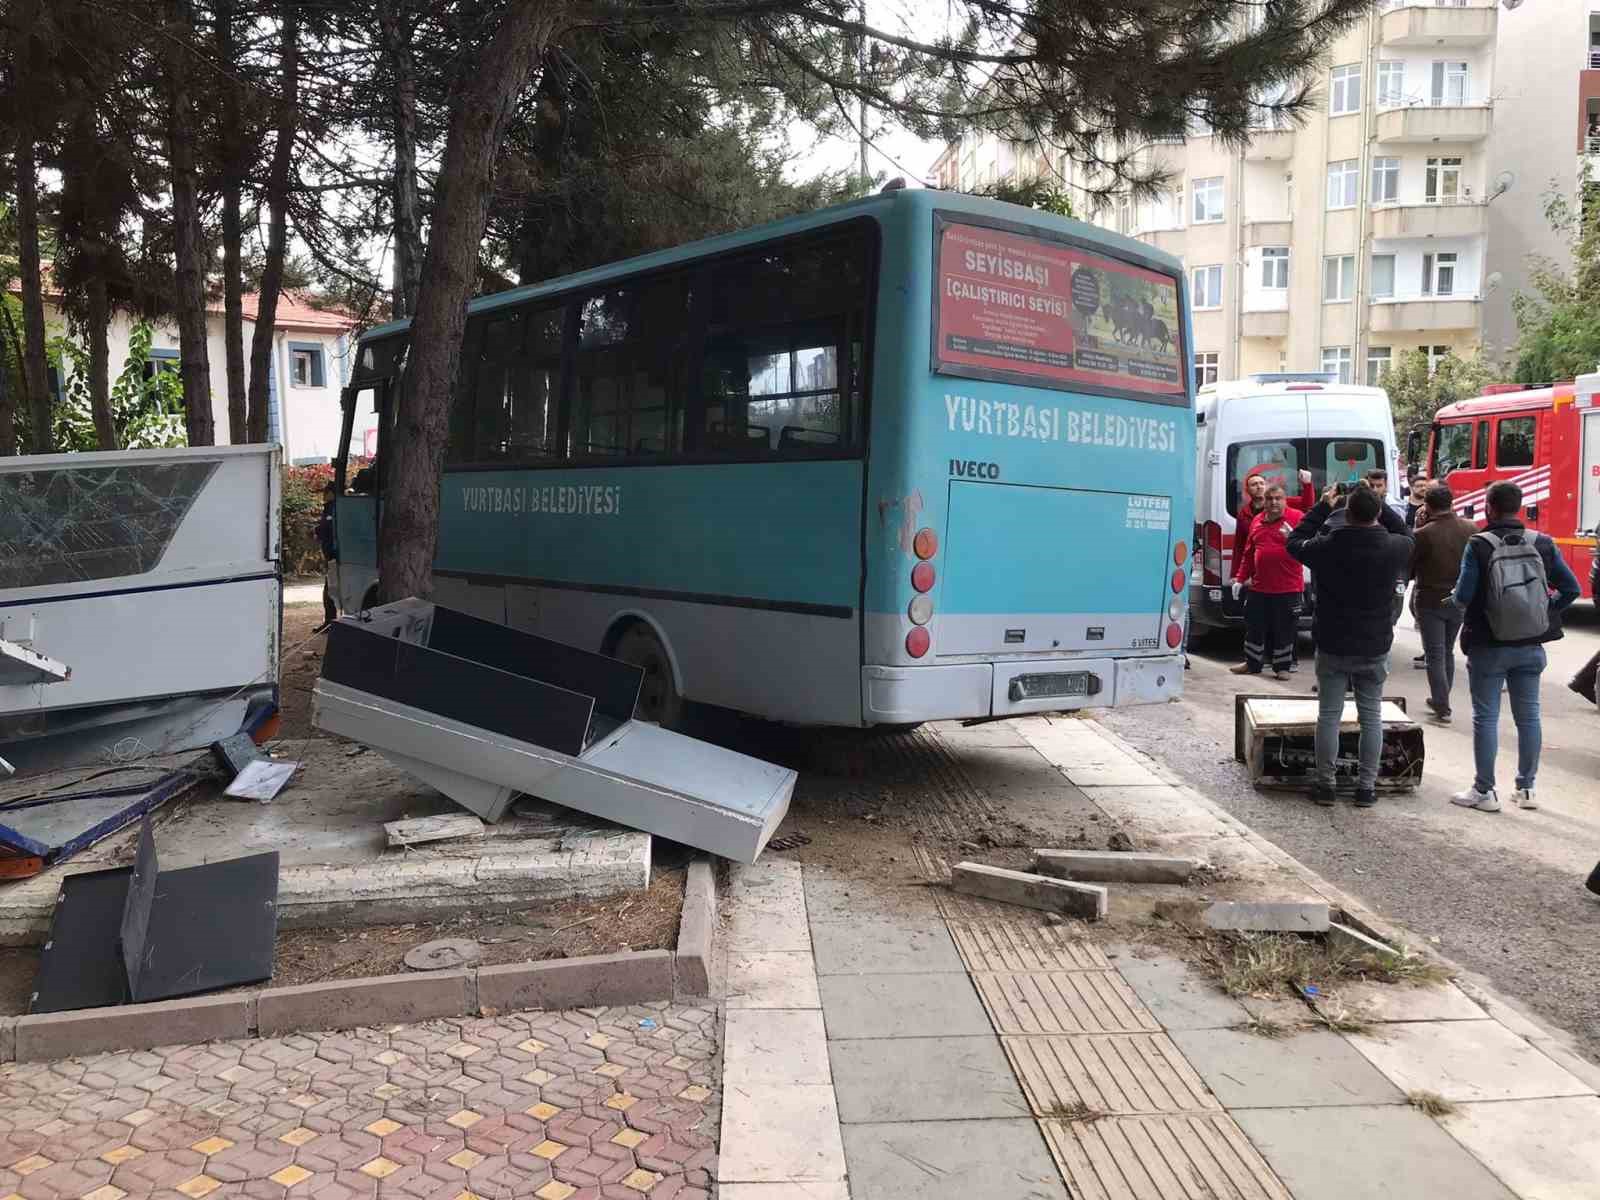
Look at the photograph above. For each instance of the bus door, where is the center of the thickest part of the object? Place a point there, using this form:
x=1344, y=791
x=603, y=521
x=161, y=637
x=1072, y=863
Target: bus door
x=356, y=507
x=1516, y=442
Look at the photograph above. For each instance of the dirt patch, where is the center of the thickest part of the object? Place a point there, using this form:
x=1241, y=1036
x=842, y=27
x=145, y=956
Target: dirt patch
x=302, y=664
x=18, y=966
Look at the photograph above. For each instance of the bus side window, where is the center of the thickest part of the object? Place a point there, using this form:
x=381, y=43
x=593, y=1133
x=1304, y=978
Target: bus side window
x=1514, y=442
x=628, y=399
x=782, y=365
x=1452, y=449
x=1480, y=453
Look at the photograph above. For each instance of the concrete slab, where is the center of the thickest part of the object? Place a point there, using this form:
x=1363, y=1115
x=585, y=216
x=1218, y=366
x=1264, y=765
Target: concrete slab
x=813, y=1190
x=831, y=897
x=1024, y=945
x=1367, y=1151
x=336, y=865
x=1541, y=1149
x=1356, y=944
x=772, y=979
x=1388, y=1002
x=1114, y=1074
x=933, y=1160
x=1267, y=916
x=780, y=928
x=1084, y=900
x=1465, y=1060
x=1041, y=1002
x=924, y=1079
x=1178, y=996
x=871, y=947
x=780, y=1133
x=899, y=1006
x=1106, y=866
x=1308, y=1070
x=1196, y=1156
x=775, y=1045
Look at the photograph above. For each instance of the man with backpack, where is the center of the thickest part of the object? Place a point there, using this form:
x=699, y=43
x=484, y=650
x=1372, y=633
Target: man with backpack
x=1504, y=589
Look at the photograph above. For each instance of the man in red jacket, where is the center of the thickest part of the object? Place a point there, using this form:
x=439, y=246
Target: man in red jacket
x=1254, y=503
x=1275, y=581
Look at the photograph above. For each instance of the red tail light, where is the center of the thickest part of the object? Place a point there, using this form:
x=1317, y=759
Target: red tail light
x=1177, y=581
x=925, y=543
x=922, y=577
x=918, y=641
x=1211, y=556
x=1174, y=635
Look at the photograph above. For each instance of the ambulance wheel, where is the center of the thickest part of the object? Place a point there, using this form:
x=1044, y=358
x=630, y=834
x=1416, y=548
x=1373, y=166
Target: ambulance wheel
x=659, y=698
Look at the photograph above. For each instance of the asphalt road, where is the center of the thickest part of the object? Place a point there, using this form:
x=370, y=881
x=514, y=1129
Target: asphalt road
x=1501, y=894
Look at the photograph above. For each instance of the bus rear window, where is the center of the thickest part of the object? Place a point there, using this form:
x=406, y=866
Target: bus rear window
x=1019, y=308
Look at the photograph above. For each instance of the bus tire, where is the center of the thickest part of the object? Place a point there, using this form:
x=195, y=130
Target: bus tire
x=659, y=698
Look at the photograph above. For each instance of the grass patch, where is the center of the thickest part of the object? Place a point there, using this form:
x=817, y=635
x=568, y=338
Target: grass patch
x=1343, y=1019
x=1431, y=1103
x=1077, y=1110
x=1265, y=964
x=1266, y=1027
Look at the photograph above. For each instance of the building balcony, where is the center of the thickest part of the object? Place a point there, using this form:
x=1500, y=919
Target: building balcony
x=1426, y=313
x=1461, y=219
x=1170, y=240
x=1269, y=145
x=1472, y=24
x=1269, y=323
x=1267, y=231
x=1427, y=122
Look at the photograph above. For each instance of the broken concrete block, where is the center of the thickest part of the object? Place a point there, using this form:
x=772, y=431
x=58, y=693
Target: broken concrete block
x=1254, y=916
x=1353, y=941
x=433, y=829
x=1109, y=867
x=1031, y=891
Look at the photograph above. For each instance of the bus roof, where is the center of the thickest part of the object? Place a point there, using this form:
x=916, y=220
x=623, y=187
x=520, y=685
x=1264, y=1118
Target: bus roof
x=1531, y=400
x=904, y=200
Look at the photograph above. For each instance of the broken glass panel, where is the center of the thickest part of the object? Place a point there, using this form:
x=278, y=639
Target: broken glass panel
x=65, y=524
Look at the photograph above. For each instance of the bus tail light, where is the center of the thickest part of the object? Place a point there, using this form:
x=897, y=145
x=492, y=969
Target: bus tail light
x=1174, y=635
x=1180, y=554
x=918, y=641
x=922, y=577
x=926, y=543
x=1211, y=555
x=1177, y=581
x=920, y=610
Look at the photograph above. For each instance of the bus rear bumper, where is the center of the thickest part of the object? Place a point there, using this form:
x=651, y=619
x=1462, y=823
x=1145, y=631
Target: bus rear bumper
x=964, y=691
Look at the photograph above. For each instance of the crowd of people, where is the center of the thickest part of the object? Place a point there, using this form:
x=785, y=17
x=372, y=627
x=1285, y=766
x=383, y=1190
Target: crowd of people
x=1500, y=591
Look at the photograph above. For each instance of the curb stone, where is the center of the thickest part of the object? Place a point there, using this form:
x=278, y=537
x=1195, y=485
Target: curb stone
x=637, y=977
x=1358, y=916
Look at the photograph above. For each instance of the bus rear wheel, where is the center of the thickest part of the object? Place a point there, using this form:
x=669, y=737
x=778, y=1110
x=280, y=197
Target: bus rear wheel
x=659, y=698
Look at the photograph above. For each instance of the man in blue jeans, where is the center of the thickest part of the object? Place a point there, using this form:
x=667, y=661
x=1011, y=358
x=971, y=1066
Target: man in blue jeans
x=1514, y=665
x=1356, y=567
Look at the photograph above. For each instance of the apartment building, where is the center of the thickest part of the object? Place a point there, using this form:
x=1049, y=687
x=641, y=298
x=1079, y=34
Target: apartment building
x=1366, y=230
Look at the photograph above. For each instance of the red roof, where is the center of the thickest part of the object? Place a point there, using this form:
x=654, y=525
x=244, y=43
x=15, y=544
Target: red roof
x=295, y=312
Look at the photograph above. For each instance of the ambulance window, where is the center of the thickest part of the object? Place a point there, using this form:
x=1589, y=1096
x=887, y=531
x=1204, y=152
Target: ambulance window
x=1342, y=461
x=1277, y=461
x=1515, y=445
x=1480, y=455
x=1452, y=449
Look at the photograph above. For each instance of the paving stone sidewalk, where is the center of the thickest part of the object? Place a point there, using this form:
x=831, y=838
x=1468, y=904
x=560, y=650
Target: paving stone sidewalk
x=618, y=1103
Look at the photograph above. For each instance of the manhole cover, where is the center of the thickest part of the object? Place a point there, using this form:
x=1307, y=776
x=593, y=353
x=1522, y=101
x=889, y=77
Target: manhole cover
x=443, y=954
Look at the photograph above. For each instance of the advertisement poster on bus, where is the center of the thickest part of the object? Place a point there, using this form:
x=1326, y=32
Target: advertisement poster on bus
x=1013, y=305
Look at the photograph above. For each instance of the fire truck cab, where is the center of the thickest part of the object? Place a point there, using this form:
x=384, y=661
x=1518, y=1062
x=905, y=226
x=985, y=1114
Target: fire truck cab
x=1545, y=440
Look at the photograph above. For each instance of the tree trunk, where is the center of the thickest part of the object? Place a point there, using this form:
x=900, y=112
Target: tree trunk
x=233, y=169
x=394, y=24
x=105, y=427
x=35, y=369
x=277, y=197
x=188, y=237
x=8, y=398
x=482, y=100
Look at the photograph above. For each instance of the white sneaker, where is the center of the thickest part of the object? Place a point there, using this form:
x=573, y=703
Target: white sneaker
x=1524, y=798
x=1482, y=801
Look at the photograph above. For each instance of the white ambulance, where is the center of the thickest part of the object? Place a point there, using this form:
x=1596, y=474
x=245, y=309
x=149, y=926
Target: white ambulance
x=1276, y=425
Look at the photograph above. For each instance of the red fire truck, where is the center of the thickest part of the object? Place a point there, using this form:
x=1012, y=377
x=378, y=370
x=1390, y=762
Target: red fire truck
x=1545, y=440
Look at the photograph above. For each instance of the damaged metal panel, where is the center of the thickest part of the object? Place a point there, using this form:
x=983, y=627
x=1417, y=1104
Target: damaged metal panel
x=1275, y=737
x=484, y=712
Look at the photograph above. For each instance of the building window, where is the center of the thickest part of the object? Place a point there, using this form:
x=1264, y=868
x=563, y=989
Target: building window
x=1439, y=273
x=1336, y=362
x=1207, y=200
x=1205, y=368
x=1275, y=267
x=1339, y=277
x=1436, y=355
x=1513, y=446
x=305, y=366
x=1449, y=83
x=1344, y=90
x=1391, y=84
x=1343, y=183
x=161, y=360
x=1382, y=276
x=1385, y=180
x=1442, y=181
x=1379, y=359
x=1207, y=291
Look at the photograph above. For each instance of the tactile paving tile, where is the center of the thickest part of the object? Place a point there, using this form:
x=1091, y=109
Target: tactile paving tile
x=1192, y=1157
x=1111, y=1074
x=1024, y=946
x=1063, y=1002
